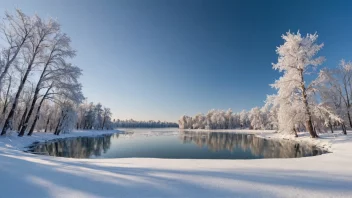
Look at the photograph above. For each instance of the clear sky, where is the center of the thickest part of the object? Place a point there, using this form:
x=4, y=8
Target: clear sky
x=154, y=59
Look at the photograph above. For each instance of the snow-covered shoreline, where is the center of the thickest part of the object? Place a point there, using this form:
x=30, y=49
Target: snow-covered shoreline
x=328, y=175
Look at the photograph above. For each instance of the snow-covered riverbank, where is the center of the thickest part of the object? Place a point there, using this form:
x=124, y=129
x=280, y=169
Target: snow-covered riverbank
x=25, y=174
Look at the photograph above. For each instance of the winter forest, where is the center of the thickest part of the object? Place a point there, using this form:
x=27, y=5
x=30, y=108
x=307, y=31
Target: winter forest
x=39, y=86
x=316, y=106
x=143, y=124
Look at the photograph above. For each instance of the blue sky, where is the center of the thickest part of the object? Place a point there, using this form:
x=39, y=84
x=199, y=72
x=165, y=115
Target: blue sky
x=153, y=59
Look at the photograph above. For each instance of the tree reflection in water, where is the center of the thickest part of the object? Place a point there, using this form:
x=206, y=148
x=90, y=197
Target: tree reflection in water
x=257, y=146
x=80, y=147
x=161, y=145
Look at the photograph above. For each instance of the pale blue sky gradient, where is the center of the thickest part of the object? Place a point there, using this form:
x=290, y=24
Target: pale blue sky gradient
x=153, y=59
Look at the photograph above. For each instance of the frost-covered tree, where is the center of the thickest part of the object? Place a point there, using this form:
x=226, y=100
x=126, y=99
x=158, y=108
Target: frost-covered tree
x=7, y=97
x=106, y=118
x=334, y=90
x=94, y=116
x=39, y=87
x=89, y=116
x=244, y=119
x=272, y=112
x=343, y=74
x=255, y=117
x=220, y=119
x=297, y=58
x=67, y=119
x=36, y=46
x=130, y=123
x=185, y=122
x=229, y=119
x=98, y=112
x=15, y=30
x=54, y=69
x=199, y=121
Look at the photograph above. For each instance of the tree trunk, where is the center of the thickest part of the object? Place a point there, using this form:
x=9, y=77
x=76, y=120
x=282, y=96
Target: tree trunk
x=9, y=118
x=62, y=119
x=309, y=125
x=33, y=125
x=58, y=124
x=330, y=125
x=343, y=129
x=38, y=110
x=294, y=130
x=35, y=98
x=57, y=127
x=348, y=104
x=7, y=96
x=349, y=117
x=35, y=120
x=47, y=123
x=310, y=129
x=102, y=128
x=22, y=119
x=23, y=81
x=25, y=124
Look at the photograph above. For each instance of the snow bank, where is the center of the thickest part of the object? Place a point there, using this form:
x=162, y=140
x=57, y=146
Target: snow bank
x=29, y=175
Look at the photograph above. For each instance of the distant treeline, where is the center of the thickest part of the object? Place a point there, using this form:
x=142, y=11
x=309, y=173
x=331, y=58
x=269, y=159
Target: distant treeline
x=143, y=124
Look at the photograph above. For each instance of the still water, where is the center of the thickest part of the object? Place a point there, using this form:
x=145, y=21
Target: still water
x=175, y=144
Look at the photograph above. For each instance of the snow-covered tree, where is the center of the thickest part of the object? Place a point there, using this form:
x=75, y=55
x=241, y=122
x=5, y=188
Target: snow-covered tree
x=297, y=58
x=244, y=119
x=199, y=121
x=39, y=87
x=16, y=31
x=67, y=119
x=272, y=112
x=36, y=46
x=220, y=119
x=54, y=70
x=185, y=122
x=229, y=119
x=143, y=124
x=333, y=88
x=106, y=118
x=255, y=118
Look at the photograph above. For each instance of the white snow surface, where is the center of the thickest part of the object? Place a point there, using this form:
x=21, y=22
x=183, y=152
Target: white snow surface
x=28, y=175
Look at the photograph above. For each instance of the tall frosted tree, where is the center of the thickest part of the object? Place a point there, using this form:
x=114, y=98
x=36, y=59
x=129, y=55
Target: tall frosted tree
x=53, y=68
x=106, y=118
x=256, y=118
x=297, y=58
x=243, y=118
x=335, y=89
x=16, y=31
x=35, y=48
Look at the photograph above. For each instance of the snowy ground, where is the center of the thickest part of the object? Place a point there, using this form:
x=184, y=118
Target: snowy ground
x=28, y=175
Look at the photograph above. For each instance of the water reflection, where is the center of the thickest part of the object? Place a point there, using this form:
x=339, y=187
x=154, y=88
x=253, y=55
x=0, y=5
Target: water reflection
x=259, y=147
x=80, y=147
x=191, y=145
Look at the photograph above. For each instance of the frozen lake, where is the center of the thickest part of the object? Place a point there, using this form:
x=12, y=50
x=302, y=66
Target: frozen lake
x=172, y=143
